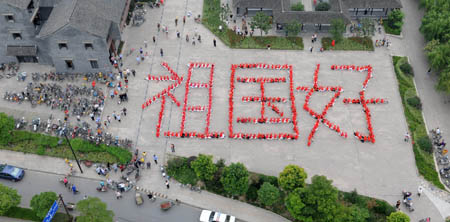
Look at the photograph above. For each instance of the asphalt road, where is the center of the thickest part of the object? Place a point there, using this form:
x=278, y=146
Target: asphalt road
x=124, y=209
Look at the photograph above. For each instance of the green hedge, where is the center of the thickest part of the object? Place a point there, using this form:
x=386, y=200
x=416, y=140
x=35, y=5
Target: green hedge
x=211, y=20
x=351, y=43
x=36, y=143
x=390, y=30
x=422, y=145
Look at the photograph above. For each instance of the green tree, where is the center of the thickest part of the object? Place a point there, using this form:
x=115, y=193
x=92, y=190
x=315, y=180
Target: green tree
x=438, y=54
x=8, y=198
x=298, y=7
x=337, y=29
x=395, y=19
x=294, y=204
x=318, y=201
x=6, y=127
x=93, y=209
x=293, y=28
x=204, y=167
x=398, y=217
x=268, y=194
x=41, y=203
x=436, y=25
x=224, y=11
x=262, y=22
x=323, y=6
x=444, y=80
x=292, y=177
x=235, y=179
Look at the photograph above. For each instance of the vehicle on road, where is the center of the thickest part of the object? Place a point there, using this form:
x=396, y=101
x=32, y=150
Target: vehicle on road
x=11, y=172
x=212, y=216
x=139, y=199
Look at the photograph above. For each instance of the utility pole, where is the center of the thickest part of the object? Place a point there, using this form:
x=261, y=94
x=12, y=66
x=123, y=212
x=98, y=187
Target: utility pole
x=70, y=145
x=64, y=205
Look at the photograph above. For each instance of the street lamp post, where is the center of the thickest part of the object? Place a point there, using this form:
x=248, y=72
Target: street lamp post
x=76, y=159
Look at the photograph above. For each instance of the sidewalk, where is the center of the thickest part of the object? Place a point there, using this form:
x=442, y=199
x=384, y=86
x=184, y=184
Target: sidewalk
x=151, y=180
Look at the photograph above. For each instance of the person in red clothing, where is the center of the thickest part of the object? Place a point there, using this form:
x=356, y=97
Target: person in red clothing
x=93, y=84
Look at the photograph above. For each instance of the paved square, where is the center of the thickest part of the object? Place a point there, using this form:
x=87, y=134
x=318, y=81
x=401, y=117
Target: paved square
x=381, y=169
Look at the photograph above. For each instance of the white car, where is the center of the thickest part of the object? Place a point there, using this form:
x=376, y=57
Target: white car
x=211, y=216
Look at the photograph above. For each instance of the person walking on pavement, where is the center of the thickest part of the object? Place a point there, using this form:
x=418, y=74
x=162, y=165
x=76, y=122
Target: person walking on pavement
x=172, y=147
x=214, y=42
x=419, y=191
x=65, y=181
x=397, y=205
x=155, y=158
x=145, y=43
x=407, y=137
x=162, y=52
x=118, y=117
x=167, y=184
x=118, y=194
x=158, y=26
x=176, y=21
x=124, y=111
x=184, y=20
x=187, y=38
x=74, y=189
x=114, y=115
x=154, y=39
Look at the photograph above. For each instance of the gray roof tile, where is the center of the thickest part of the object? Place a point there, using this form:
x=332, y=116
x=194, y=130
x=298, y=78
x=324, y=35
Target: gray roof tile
x=92, y=16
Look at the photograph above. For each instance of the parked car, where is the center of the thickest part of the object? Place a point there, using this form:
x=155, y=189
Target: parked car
x=212, y=216
x=11, y=172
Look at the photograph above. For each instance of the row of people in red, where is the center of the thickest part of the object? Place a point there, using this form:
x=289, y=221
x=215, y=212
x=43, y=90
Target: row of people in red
x=196, y=108
x=208, y=114
x=161, y=94
x=261, y=79
x=261, y=66
x=200, y=65
x=198, y=85
x=267, y=136
x=358, y=101
x=275, y=109
x=161, y=78
x=161, y=112
x=213, y=135
x=293, y=107
x=171, y=71
x=265, y=99
x=262, y=120
x=350, y=67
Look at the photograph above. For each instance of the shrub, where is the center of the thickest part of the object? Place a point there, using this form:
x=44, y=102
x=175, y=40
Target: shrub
x=269, y=179
x=323, y=6
x=235, y=179
x=268, y=194
x=292, y=177
x=415, y=102
x=41, y=203
x=382, y=207
x=252, y=193
x=204, y=167
x=398, y=217
x=8, y=198
x=424, y=143
x=407, y=69
x=298, y=7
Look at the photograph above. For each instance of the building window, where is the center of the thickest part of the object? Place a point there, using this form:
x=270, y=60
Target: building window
x=94, y=64
x=88, y=46
x=17, y=36
x=62, y=45
x=9, y=18
x=69, y=64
